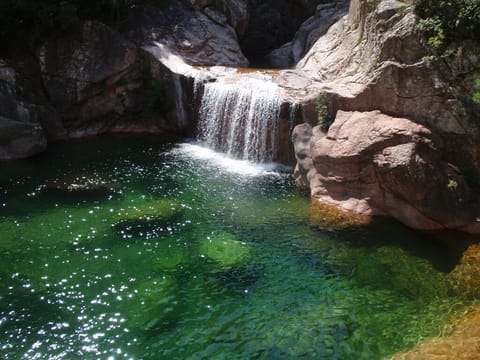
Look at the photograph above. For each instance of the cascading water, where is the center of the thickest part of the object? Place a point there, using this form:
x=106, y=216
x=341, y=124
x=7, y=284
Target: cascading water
x=240, y=116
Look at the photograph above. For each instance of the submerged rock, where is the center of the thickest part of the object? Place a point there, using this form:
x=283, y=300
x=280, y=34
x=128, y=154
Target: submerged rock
x=170, y=256
x=406, y=274
x=465, y=278
x=147, y=220
x=21, y=134
x=153, y=305
x=224, y=249
x=329, y=216
x=461, y=341
x=157, y=209
x=87, y=184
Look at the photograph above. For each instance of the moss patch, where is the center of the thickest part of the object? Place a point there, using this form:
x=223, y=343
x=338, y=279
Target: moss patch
x=410, y=276
x=465, y=278
x=153, y=304
x=224, y=249
x=329, y=216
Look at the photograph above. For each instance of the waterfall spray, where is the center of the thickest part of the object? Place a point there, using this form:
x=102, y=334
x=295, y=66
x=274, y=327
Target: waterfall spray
x=240, y=117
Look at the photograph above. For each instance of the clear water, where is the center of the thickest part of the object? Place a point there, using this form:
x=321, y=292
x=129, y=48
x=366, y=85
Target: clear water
x=170, y=256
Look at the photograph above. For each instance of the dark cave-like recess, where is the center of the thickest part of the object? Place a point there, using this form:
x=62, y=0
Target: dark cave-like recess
x=273, y=23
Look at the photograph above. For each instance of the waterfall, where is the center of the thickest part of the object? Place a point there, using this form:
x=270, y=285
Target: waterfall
x=180, y=101
x=240, y=116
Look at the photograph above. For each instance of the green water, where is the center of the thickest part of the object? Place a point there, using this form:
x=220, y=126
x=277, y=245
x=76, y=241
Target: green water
x=168, y=256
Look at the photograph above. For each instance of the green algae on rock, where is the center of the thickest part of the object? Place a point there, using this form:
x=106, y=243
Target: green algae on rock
x=157, y=209
x=465, y=278
x=224, y=249
x=169, y=255
x=153, y=303
x=329, y=216
x=147, y=220
x=408, y=275
x=460, y=341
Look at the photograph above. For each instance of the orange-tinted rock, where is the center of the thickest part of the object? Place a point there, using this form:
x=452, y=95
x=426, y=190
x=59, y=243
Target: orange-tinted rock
x=465, y=278
x=374, y=164
x=461, y=342
x=329, y=216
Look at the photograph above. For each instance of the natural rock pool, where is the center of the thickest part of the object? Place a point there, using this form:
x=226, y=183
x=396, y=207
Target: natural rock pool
x=119, y=248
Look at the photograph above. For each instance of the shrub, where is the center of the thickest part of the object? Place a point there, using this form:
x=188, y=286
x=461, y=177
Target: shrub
x=323, y=116
x=476, y=94
x=447, y=21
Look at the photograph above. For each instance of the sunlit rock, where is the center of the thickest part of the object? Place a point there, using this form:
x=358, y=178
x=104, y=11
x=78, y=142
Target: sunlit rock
x=370, y=163
x=460, y=341
x=332, y=217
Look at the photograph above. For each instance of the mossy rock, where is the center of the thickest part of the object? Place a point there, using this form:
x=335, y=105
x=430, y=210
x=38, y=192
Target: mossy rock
x=464, y=280
x=148, y=219
x=224, y=249
x=81, y=187
x=393, y=268
x=154, y=305
x=156, y=209
x=9, y=233
x=170, y=255
x=249, y=213
x=331, y=217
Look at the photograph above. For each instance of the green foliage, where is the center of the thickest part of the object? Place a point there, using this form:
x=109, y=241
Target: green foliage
x=452, y=184
x=476, y=94
x=447, y=21
x=324, y=118
x=433, y=27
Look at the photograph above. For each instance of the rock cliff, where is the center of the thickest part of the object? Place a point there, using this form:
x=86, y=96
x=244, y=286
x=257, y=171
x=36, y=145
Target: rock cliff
x=412, y=153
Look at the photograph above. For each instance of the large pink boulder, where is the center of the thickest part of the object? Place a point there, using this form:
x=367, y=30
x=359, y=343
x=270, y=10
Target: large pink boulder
x=374, y=164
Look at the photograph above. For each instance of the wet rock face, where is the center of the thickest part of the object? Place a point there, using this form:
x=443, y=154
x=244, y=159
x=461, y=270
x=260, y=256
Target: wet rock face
x=21, y=134
x=374, y=164
x=100, y=82
x=87, y=75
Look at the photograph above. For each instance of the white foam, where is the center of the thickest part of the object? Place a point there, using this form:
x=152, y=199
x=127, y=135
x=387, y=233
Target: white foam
x=225, y=163
x=239, y=115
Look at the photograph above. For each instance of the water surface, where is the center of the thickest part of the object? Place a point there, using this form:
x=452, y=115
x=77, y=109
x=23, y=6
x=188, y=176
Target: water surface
x=119, y=248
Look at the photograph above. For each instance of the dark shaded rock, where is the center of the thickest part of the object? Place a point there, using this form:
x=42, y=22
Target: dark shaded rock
x=290, y=53
x=200, y=38
x=273, y=23
x=20, y=139
x=21, y=135
x=101, y=82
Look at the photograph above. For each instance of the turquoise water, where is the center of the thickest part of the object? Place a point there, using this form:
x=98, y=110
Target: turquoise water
x=119, y=248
